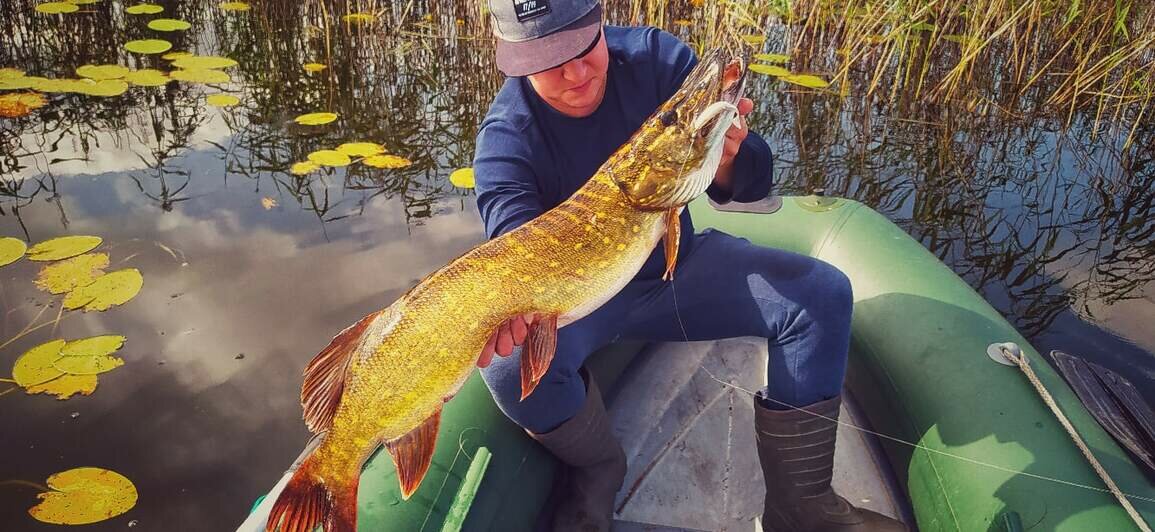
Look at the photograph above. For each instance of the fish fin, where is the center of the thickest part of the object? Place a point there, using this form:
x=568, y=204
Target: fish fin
x=325, y=375
x=413, y=452
x=672, y=239
x=537, y=353
x=309, y=500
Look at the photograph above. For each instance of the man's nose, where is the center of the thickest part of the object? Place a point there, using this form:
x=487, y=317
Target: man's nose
x=575, y=70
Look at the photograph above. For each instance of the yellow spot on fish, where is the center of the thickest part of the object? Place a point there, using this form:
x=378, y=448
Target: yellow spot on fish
x=606, y=240
x=580, y=271
x=525, y=278
x=636, y=229
x=579, y=245
x=603, y=264
x=554, y=264
x=529, y=255
x=444, y=351
x=589, y=228
x=621, y=247
x=540, y=289
x=473, y=325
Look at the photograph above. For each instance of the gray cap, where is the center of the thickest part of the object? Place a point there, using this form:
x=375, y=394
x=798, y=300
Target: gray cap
x=537, y=35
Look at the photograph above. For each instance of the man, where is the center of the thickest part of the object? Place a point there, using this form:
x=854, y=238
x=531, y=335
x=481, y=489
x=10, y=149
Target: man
x=576, y=92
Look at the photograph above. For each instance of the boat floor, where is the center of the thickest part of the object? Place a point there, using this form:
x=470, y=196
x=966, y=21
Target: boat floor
x=689, y=441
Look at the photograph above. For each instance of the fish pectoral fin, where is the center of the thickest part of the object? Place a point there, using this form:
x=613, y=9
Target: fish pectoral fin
x=537, y=353
x=672, y=239
x=413, y=452
x=325, y=375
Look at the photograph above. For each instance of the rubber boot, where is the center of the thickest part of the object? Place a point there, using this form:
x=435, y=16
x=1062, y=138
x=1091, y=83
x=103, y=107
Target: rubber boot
x=797, y=453
x=596, y=466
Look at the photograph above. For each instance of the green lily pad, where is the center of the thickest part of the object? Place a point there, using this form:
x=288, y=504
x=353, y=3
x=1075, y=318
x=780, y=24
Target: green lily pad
x=63, y=247
x=84, y=495
x=148, y=46
x=234, y=6
x=144, y=9
x=462, y=178
x=11, y=249
x=115, y=288
x=315, y=119
x=200, y=75
x=330, y=158
x=222, y=100
x=361, y=149
x=304, y=167
x=772, y=58
x=386, y=161
x=104, y=88
x=147, y=78
x=93, y=346
x=769, y=70
x=87, y=365
x=100, y=72
x=11, y=84
x=168, y=24
x=68, y=274
x=35, y=365
x=56, y=8
x=173, y=56
x=11, y=73
x=203, y=62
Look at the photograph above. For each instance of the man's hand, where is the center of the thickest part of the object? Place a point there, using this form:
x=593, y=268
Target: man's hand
x=512, y=333
x=734, y=137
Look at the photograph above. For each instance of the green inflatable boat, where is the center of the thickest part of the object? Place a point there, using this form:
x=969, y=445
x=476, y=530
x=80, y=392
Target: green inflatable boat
x=946, y=437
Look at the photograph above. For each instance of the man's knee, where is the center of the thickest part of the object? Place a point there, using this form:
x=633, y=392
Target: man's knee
x=556, y=398
x=831, y=285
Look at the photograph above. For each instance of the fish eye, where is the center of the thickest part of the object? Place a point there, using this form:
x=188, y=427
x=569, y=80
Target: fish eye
x=669, y=117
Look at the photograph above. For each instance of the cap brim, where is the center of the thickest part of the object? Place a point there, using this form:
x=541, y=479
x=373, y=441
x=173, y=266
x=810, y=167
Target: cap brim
x=544, y=53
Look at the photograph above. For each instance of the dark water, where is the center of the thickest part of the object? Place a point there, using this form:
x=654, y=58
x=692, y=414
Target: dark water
x=1049, y=220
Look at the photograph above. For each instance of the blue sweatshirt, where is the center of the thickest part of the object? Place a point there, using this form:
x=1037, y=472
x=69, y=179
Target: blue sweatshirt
x=530, y=157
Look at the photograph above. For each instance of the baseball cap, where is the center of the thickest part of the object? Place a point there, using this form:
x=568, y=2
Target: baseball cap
x=537, y=35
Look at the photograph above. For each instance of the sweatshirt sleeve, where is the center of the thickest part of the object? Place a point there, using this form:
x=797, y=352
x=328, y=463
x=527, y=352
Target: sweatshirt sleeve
x=754, y=164
x=506, y=185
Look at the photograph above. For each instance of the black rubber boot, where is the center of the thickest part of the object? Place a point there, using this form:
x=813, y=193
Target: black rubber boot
x=797, y=454
x=596, y=466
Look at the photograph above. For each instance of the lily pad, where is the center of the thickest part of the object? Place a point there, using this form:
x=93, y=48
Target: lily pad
x=769, y=70
x=304, y=167
x=35, y=365
x=168, y=24
x=84, y=495
x=173, y=56
x=222, y=100
x=9, y=84
x=105, y=88
x=66, y=275
x=56, y=8
x=386, y=161
x=11, y=73
x=203, y=62
x=19, y=104
x=315, y=119
x=462, y=178
x=112, y=289
x=200, y=75
x=361, y=149
x=148, y=46
x=754, y=40
x=313, y=67
x=66, y=386
x=772, y=58
x=144, y=9
x=88, y=365
x=100, y=72
x=63, y=247
x=93, y=346
x=806, y=80
x=58, y=85
x=11, y=249
x=147, y=78
x=234, y=6
x=330, y=158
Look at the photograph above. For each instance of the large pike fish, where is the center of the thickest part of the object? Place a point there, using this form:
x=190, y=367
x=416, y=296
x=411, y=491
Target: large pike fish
x=384, y=379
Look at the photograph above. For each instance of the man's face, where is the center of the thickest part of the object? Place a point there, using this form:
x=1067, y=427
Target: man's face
x=576, y=87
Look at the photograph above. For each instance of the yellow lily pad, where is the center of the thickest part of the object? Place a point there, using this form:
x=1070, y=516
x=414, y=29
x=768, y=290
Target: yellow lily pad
x=144, y=9
x=11, y=84
x=754, y=40
x=148, y=46
x=234, y=6
x=462, y=178
x=82, y=2
x=359, y=18
x=65, y=386
x=147, y=78
x=361, y=149
x=168, y=24
x=313, y=67
x=56, y=8
x=93, y=346
x=769, y=70
x=772, y=58
x=222, y=100
x=114, y=288
x=20, y=104
x=57, y=85
x=386, y=161
x=173, y=56
x=63, y=247
x=200, y=75
x=304, y=167
x=66, y=275
x=106, y=87
x=93, y=365
x=11, y=249
x=11, y=73
x=330, y=158
x=806, y=80
x=315, y=119
x=84, y=495
x=35, y=365
x=99, y=72
x=206, y=62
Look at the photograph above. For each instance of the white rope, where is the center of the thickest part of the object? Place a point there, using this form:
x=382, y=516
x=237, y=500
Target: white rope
x=1024, y=364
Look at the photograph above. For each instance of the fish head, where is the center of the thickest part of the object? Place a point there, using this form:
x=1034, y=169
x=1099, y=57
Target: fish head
x=672, y=159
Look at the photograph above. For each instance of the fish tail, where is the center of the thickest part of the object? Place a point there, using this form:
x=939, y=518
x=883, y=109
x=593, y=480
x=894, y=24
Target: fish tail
x=310, y=500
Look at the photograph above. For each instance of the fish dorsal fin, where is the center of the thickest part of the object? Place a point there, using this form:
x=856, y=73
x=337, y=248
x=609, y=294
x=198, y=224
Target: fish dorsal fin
x=413, y=452
x=325, y=375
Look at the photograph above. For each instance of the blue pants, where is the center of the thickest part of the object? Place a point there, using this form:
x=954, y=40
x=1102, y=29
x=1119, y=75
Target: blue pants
x=725, y=287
